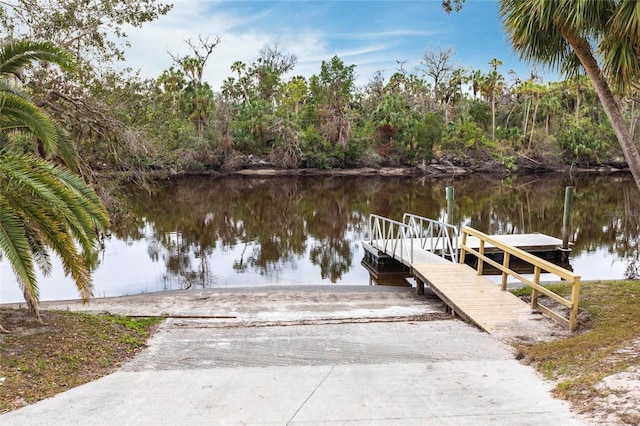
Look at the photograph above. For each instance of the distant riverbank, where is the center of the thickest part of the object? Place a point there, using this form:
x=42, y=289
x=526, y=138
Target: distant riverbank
x=449, y=167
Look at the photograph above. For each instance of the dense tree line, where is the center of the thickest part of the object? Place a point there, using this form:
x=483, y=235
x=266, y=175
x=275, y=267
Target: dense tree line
x=264, y=112
x=440, y=111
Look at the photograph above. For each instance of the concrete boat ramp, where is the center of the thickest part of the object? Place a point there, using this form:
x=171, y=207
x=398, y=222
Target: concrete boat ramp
x=339, y=355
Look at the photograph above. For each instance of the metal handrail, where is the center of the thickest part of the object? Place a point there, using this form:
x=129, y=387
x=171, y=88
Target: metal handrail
x=441, y=237
x=392, y=234
x=397, y=238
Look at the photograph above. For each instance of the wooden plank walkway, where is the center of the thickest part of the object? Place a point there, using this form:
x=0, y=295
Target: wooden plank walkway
x=473, y=297
x=476, y=299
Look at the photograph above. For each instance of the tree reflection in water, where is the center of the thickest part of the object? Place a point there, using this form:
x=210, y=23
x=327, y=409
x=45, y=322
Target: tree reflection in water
x=271, y=225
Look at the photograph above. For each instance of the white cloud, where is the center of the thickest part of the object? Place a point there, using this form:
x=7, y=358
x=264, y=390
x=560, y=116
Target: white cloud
x=239, y=41
x=313, y=31
x=244, y=33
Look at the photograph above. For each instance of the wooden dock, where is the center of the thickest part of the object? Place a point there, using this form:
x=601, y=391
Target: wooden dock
x=473, y=297
x=436, y=257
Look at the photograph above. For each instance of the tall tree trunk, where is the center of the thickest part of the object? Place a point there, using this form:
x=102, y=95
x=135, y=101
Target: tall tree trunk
x=547, y=124
x=527, y=105
x=506, y=123
x=533, y=123
x=493, y=117
x=583, y=50
x=633, y=120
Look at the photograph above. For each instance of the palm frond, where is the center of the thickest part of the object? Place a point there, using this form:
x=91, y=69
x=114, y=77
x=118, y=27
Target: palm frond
x=19, y=114
x=59, y=209
x=54, y=187
x=626, y=21
x=67, y=150
x=15, y=246
x=42, y=206
x=18, y=54
x=39, y=251
x=530, y=27
x=54, y=234
x=620, y=46
x=12, y=87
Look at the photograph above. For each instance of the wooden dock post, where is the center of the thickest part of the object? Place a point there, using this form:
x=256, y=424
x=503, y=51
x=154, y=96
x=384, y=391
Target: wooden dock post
x=449, y=196
x=566, y=224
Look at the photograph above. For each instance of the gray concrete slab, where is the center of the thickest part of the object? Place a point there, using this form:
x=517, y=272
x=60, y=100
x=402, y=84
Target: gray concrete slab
x=272, y=304
x=192, y=344
x=212, y=372
x=449, y=393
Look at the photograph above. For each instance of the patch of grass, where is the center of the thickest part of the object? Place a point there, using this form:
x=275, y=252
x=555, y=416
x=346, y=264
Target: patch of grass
x=563, y=289
x=38, y=361
x=140, y=325
x=610, y=345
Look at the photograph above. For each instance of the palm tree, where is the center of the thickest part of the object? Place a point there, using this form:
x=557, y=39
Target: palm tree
x=551, y=104
x=492, y=85
x=538, y=91
x=561, y=33
x=580, y=84
x=494, y=63
x=476, y=79
x=524, y=89
x=173, y=82
x=43, y=206
x=240, y=67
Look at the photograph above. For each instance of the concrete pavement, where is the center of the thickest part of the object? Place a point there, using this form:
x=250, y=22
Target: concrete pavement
x=269, y=366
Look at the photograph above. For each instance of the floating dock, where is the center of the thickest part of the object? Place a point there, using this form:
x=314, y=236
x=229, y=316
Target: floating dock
x=430, y=252
x=382, y=252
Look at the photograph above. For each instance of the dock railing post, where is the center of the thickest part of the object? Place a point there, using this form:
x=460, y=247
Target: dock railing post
x=575, y=298
x=462, y=246
x=505, y=263
x=534, y=292
x=480, y=261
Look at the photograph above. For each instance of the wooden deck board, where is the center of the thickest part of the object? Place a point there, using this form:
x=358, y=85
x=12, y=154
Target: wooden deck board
x=473, y=297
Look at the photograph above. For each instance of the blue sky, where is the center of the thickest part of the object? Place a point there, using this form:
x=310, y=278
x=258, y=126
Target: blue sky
x=373, y=35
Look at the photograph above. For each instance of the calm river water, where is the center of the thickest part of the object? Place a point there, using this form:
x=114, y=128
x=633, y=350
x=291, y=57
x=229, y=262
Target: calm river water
x=227, y=232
